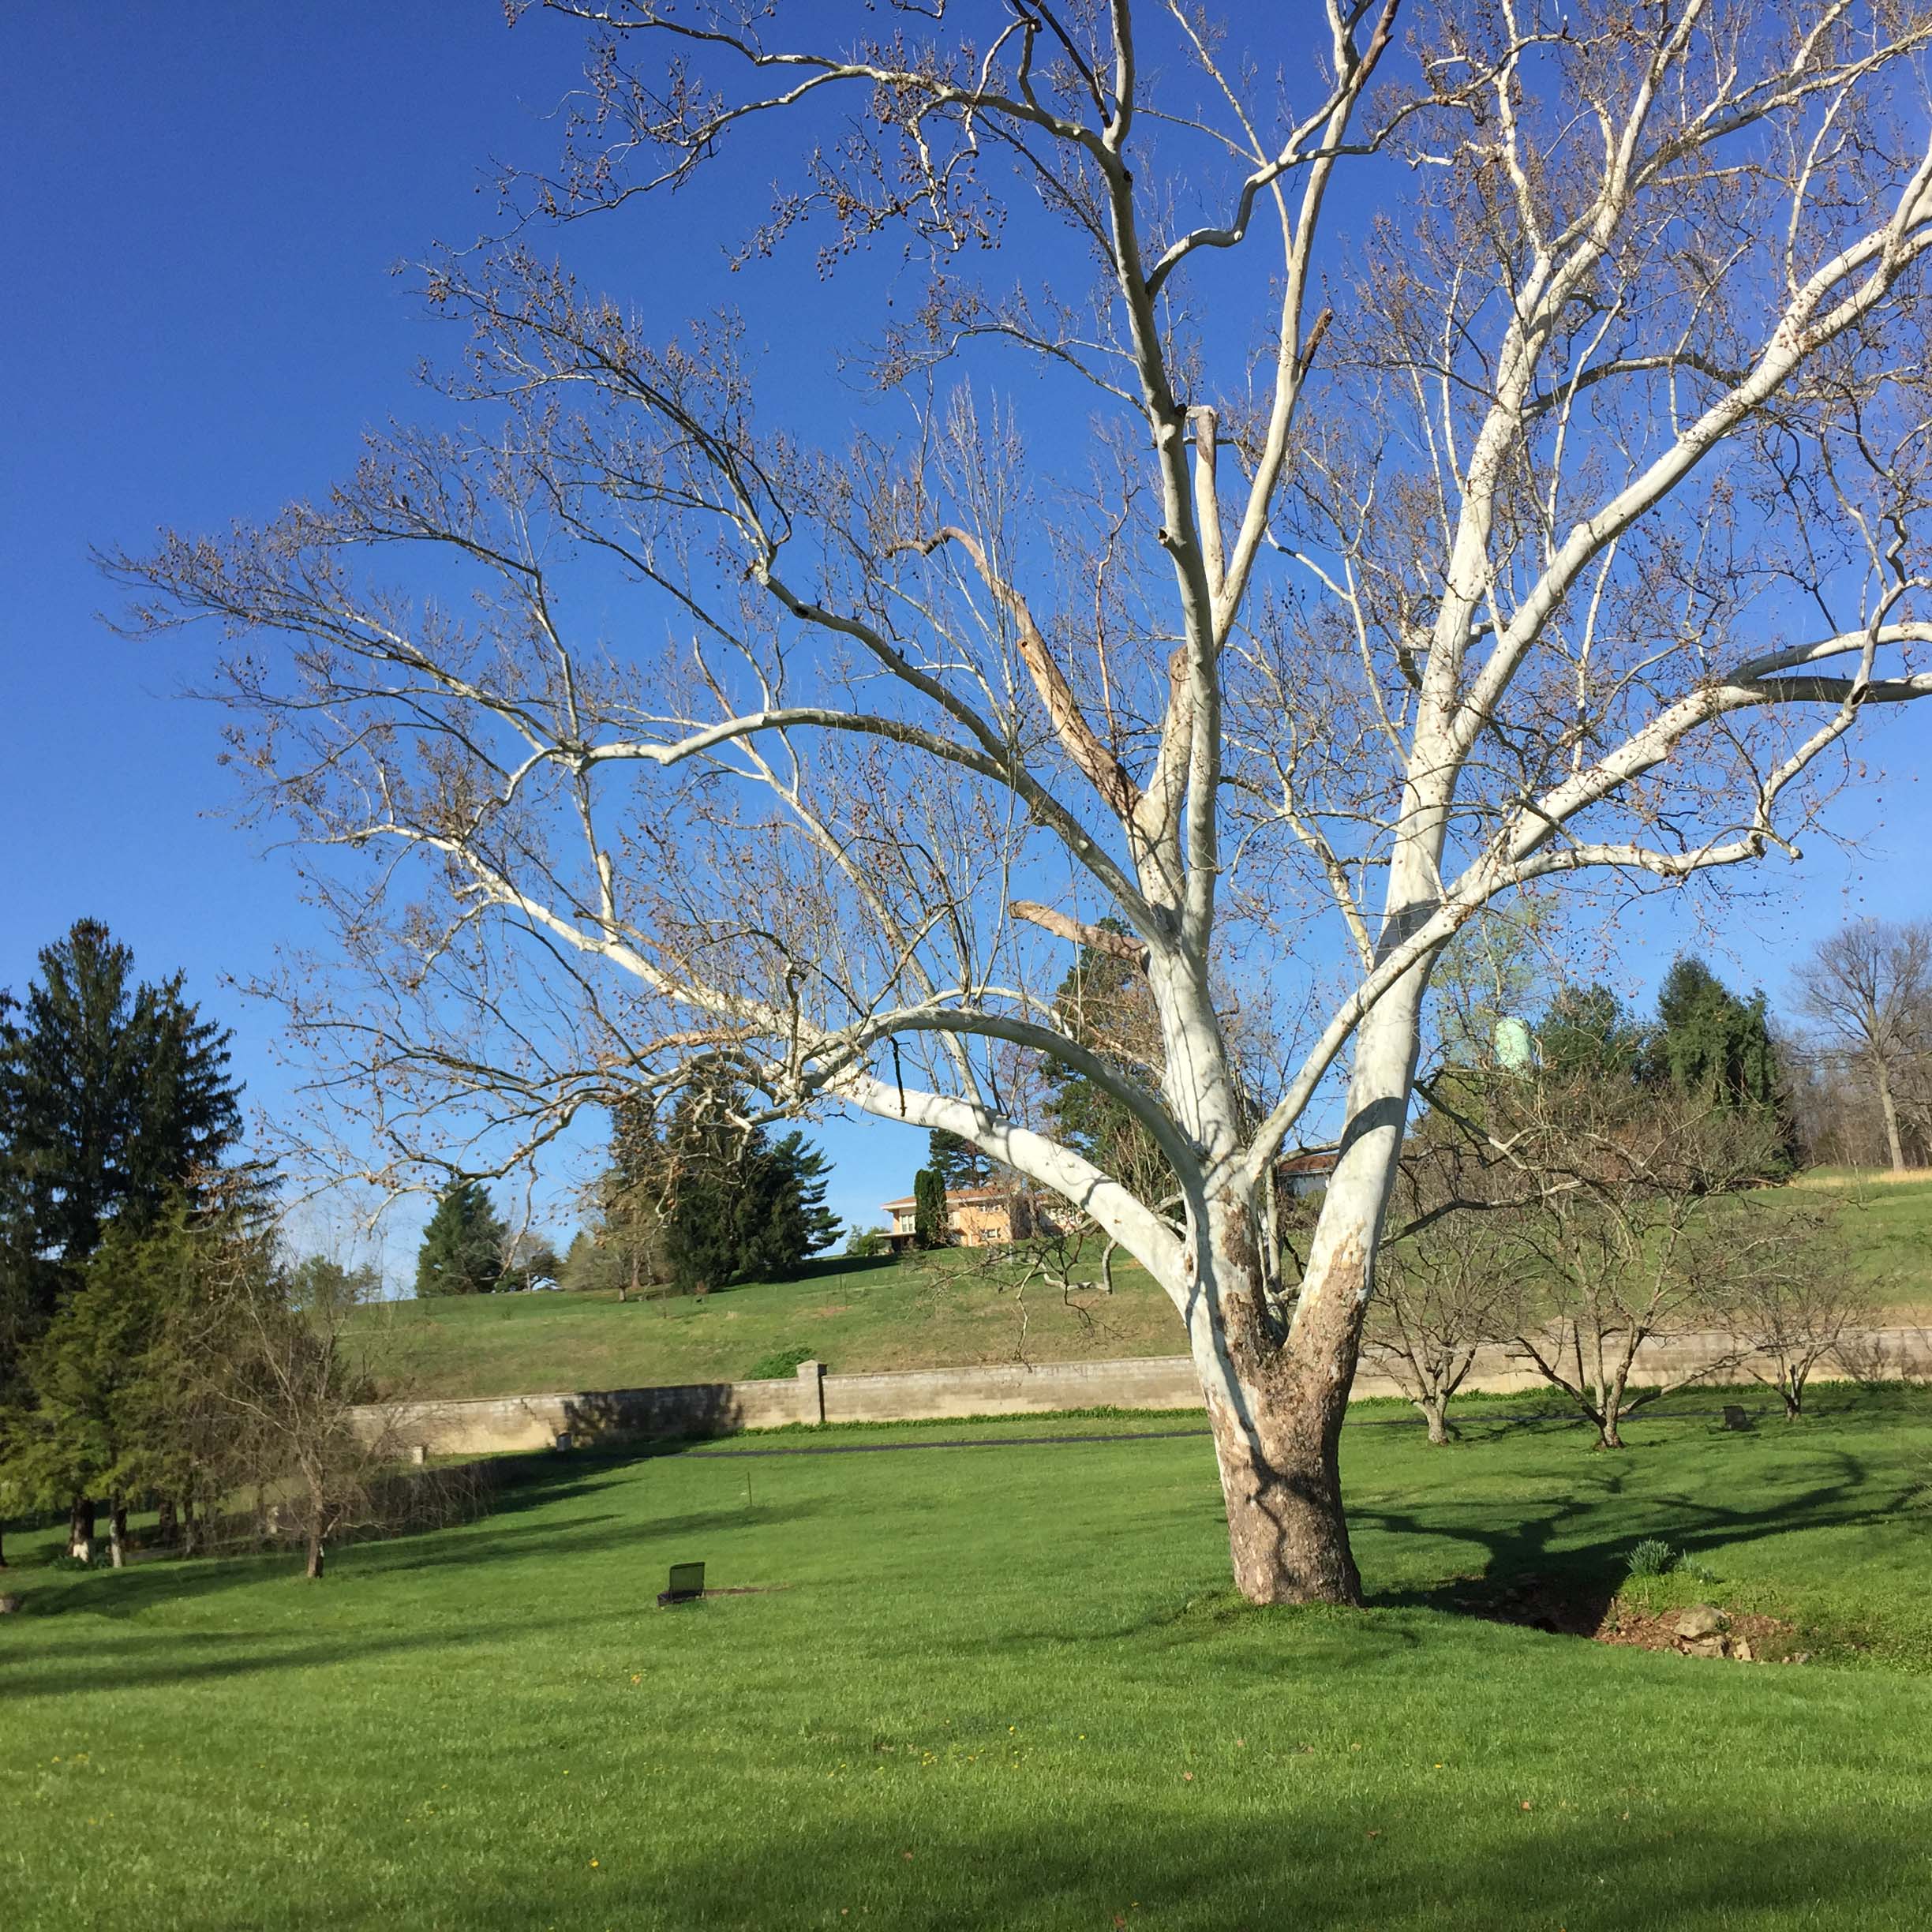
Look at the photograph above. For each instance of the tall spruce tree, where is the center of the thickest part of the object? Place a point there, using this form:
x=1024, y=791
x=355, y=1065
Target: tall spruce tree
x=462, y=1250
x=957, y=1161
x=116, y=1107
x=1710, y=1041
x=629, y=1241
x=1587, y=1031
x=114, y=1098
x=786, y=1218
x=718, y=1201
x=931, y=1225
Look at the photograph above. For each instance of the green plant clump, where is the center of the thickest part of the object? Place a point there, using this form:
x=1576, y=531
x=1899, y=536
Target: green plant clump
x=1652, y=1557
x=778, y=1366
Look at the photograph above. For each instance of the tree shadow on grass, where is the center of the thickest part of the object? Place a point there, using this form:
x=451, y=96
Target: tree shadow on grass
x=1320, y=1862
x=1555, y=1566
x=123, y=1662
x=1578, y=1549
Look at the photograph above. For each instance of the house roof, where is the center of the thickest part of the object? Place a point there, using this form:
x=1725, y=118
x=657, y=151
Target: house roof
x=956, y=1197
x=1326, y=1162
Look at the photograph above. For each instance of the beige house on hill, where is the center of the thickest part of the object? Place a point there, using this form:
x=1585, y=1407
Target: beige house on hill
x=985, y=1217
x=994, y=1217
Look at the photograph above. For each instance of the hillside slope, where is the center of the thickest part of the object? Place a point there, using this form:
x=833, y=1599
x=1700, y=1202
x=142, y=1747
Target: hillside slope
x=925, y=1312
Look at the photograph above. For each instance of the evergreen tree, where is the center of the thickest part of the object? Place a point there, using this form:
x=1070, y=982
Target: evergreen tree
x=631, y=1237
x=713, y=1200
x=957, y=1161
x=785, y=1218
x=120, y=1375
x=1587, y=1031
x=115, y=1103
x=114, y=1097
x=463, y=1247
x=1104, y=1003
x=1708, y=1040
x=589, y=1264
x=931, y=1226
x=705, y=1153
x=1710, y=1043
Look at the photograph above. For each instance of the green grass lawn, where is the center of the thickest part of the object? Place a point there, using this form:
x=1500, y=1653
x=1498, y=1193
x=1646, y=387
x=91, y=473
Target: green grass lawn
x=1891, y=1225
x=1002, y=1685
x=927, y=1312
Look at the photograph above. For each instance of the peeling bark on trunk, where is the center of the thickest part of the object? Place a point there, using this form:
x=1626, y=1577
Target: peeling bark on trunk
x=1276, y=1403
x=1277, y=1423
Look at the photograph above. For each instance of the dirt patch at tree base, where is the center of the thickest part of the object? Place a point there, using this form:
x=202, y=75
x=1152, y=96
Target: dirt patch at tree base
x=1564, y=1608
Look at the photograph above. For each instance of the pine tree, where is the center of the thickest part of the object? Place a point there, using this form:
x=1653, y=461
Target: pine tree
x=463, y=1247
x=631, y=1198
x=115, y=1104
x=713, y=1200
x=1587, y=1031
x=118, y=1376
x=957, y=1161
x=1711, y=1043
x=785, y=1218
x=707, y=1151
x=590, y=1265
x=114, y=1097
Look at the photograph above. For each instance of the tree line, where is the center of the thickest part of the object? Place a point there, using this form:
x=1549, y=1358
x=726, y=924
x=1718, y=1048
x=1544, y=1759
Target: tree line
x=1574, y=1203
x=157, y=1345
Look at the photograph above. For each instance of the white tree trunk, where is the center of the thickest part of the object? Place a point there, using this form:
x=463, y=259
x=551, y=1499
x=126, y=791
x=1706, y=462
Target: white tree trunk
x=1276, y=1404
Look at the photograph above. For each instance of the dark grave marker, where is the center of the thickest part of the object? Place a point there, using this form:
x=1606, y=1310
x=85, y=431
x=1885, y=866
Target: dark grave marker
x=687, y=1585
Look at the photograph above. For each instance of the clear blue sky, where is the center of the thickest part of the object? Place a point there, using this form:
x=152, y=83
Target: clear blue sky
x=203, y=206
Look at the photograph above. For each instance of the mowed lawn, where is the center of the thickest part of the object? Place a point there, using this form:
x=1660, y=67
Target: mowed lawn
x=1000, y=1686
x=941, y=1311
x=925, y=1312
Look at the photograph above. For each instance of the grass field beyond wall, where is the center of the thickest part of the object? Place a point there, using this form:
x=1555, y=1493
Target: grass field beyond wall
x=1002, y=1686
x=926, y=1311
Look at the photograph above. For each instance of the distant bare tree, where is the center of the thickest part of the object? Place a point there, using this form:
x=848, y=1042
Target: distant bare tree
x=1438, y=1301
x=1794, y=1294
x=1868, y=989
x=1561, y=514
x=286, y=1380
x=1452, y=1276
x=1622, y=1231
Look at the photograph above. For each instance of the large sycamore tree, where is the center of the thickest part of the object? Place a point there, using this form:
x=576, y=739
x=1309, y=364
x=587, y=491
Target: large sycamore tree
x=1340, y=465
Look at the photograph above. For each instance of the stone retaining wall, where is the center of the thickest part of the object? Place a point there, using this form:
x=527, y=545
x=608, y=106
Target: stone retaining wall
x=700, y=1409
